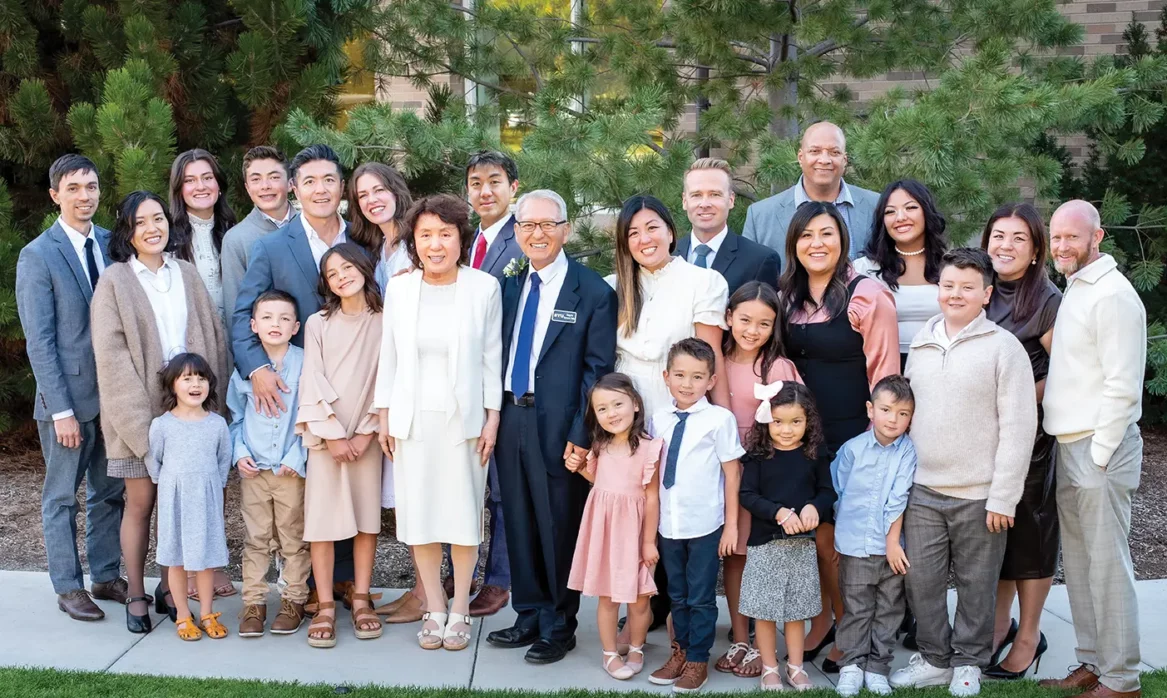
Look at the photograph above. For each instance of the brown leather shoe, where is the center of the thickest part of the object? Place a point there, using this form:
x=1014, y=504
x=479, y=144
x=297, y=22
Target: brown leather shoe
x=312, y=603
x=1082, y=678
x=343, y=592
x=251, y=620
x=410, y=611
x=693, y=677
x=116, y=590
x=1101, y=691
x=79, y=606
x=388, y=608
x=668, y=674
x=290, y=618
x=490, y=600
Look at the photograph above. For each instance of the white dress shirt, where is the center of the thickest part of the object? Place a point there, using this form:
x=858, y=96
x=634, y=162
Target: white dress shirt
x=167, y=296
x=695, y=505
x=490, y=233
x=318, y=245
x=551, y=283
x=714, y=245
x=78, y=240
x=940, y=332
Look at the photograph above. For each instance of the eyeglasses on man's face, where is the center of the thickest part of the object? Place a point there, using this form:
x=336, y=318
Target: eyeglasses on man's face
x=545, y=226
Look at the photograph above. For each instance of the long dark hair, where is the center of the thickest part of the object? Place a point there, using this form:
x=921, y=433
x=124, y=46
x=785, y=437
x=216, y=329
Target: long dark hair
x=881, y=248
x=630, y=298
x=620, y=383
x=1031, y=287
x=758, y=443
x=121, y=238
x=188, y=363
x=774, y=348
x=180, y=227
x=354, y=253
x=360, y=229
x=795, y=282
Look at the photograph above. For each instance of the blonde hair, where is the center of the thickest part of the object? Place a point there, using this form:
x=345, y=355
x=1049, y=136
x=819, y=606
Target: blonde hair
x=709, y=164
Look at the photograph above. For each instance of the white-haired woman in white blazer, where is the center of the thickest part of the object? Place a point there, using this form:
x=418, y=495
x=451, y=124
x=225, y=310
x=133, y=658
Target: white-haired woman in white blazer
x=439, y=390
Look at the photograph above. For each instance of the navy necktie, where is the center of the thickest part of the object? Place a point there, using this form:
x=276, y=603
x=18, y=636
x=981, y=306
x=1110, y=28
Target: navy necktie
x=91, y=261
x=521, y=369
x=674, y=450
x=702, y=252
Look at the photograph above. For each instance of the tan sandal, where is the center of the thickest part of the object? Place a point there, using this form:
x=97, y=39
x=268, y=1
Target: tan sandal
x=455, y=640
x=366, y=614
x=326, y=623
x=187, y=630
x=431, y=638
x=212, y=627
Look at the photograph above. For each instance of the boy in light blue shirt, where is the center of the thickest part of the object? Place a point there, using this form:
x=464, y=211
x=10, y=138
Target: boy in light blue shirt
x=872, y=474
x=271, y=462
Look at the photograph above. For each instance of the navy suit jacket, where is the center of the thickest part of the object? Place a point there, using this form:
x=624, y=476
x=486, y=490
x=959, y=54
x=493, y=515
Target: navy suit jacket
x=573, y=357
x=500, y=253
x=740, y=260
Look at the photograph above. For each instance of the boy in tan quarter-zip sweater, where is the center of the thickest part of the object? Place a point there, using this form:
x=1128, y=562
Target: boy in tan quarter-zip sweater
x=974, y=426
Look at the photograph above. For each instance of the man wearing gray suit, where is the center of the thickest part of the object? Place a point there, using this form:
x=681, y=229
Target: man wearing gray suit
x=822, y=155
x=55, y=277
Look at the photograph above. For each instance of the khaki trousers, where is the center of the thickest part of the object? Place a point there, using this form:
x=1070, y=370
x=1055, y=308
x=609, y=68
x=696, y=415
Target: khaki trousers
x=273, y=512
x=1094, y=505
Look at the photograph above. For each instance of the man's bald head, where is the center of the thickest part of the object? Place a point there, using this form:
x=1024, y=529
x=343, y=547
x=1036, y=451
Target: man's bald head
x=1075, y=232
x=823, y=131
x=822, y=155
x=1078, y=212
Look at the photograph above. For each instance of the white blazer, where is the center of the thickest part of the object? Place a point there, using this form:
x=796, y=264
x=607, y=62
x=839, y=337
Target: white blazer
x=475, y=356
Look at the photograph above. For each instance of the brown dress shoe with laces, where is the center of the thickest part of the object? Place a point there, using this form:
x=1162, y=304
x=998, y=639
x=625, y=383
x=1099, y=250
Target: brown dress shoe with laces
x=693, y=677
x=251, y=620
x=489, y=601
x=79, y=606
x=116, y=590
x=1082, y=678
x=289, y=619
x=1101, y=691
x=668, y=674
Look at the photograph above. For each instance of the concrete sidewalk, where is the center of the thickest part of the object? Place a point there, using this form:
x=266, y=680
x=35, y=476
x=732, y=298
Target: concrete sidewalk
x=49, y=638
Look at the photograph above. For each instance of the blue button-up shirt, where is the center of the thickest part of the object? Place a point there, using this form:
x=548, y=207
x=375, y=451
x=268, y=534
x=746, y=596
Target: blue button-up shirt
x=872, y=481
x=269, y=441
x=844, y=202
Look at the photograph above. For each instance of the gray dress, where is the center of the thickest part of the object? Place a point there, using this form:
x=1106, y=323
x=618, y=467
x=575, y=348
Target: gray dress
x=189, y=461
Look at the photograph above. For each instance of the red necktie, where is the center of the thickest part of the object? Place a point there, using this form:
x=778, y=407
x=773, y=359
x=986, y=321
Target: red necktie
x=479, y=252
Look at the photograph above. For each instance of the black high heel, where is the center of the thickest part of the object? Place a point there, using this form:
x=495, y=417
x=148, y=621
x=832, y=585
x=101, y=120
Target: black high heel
x=139, y=624
x=996, y=672
x=160, y=604
x=1009, y=638
x=809, y=655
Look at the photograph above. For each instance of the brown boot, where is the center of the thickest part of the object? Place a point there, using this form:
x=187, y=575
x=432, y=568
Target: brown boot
x=79, y=606
x=668, y=674
x=251, y=620
x=1082, y=678
x=489, y=601
x=289, y=619
x=410, y=611
x=693, y=677
x=1101, y=691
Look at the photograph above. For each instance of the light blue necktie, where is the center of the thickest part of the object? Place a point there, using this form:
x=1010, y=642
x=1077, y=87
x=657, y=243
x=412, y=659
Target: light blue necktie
x=702, y=251
x=674, y=450
x=521, y=369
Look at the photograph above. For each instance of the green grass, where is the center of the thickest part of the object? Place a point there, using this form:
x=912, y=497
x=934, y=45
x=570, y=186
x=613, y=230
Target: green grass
x=46, y=683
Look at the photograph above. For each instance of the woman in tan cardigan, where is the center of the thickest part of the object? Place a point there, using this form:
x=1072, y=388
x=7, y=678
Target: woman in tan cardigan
x=147, y=308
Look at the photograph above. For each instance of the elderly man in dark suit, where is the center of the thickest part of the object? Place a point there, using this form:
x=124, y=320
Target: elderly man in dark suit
x=55, y=277
x=559, y=337
x=707, y=199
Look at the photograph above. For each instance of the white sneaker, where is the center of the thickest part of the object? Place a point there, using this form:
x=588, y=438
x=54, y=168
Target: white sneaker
x=876, y=683
x=850, y=680
x=919, y=672
x=966, y=681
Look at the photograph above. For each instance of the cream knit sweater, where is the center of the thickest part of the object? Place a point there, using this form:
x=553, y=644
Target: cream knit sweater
x=976, y=414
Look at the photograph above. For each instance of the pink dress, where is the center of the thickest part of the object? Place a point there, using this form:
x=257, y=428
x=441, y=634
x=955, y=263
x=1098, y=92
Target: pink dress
x=743, y=404
x=607, y=553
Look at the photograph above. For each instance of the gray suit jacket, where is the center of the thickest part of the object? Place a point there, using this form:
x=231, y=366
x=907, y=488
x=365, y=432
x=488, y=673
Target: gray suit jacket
x=52, y=297
x=500, y=253
x=237, y=244
x=767, y=220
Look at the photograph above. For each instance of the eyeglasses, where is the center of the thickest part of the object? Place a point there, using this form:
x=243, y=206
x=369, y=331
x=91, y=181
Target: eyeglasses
x=547, y=226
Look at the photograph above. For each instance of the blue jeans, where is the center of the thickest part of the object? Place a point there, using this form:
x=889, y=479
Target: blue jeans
x=692, y=565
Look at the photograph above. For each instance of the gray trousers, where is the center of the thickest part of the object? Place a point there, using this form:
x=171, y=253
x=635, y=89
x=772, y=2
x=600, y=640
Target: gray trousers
x=873, y=607
x=104, y=502
x=1094, y=505
x=939, y=530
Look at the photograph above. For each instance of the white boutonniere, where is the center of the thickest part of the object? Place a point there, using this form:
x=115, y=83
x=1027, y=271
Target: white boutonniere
x=515, y=267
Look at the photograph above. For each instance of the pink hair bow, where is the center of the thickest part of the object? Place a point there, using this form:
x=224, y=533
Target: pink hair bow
x=764, y=393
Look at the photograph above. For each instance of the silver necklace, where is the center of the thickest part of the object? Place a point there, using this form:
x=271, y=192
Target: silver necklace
x=909, y=254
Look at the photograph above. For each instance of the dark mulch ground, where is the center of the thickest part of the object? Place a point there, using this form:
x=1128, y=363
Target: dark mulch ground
x=22, y=546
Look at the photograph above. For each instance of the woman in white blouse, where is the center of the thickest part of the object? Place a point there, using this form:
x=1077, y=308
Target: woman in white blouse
x=201, y=216
x=378, y=198
x=907, y=242
x=147, y=308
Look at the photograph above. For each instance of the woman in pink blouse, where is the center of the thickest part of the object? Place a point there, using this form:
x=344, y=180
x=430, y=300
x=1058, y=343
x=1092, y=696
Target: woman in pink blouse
x=842, y=334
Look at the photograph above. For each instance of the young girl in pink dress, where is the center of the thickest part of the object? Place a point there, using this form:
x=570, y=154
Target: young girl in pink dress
x=616, y=550
x=754, y=359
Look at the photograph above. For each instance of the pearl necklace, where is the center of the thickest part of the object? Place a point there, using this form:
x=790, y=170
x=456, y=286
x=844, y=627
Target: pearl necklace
x=909, y=254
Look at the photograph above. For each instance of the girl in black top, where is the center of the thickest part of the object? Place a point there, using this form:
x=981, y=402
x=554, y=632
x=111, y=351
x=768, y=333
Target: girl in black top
x=786, y=483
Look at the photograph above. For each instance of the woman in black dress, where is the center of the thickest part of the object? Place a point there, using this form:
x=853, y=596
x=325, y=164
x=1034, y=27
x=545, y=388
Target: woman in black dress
x=1025, y=302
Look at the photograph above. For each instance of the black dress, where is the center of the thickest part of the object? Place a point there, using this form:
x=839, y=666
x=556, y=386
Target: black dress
x=1032, y=548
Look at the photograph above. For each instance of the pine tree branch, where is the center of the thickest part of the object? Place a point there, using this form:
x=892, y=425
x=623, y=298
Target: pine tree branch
x=515, y=44
x=826, y=46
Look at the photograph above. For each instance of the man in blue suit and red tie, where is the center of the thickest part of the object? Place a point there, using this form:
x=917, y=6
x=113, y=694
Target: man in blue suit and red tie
x=559, y=337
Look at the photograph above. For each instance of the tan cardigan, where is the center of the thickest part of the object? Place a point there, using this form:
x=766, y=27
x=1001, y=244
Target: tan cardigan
x=129, y=354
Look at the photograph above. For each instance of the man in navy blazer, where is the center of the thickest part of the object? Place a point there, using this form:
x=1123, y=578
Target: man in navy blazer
x=55, y=277
x=707, y=198
x=559, y=338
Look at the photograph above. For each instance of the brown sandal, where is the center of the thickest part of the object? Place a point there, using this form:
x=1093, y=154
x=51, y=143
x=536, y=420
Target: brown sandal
x=751, y=665
x=323, y=622
x=732, y=658
x=366, y=614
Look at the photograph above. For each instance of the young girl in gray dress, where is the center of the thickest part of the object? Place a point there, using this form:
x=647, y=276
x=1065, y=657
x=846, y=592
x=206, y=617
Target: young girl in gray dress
x=189, y=458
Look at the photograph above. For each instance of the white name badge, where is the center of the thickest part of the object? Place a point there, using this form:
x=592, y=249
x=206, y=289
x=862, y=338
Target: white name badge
x=567, y=316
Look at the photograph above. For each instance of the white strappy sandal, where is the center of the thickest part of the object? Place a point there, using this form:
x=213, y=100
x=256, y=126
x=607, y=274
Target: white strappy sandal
x=767, y=671
x=623, y=673
x=636, y=667
x=431, y=638
x=454, y=640
x=793, y=671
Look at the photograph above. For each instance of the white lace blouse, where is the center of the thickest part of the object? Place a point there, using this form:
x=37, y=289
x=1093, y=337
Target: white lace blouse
x=206, y=259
